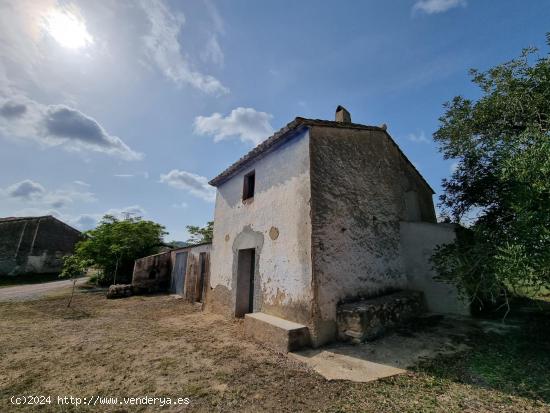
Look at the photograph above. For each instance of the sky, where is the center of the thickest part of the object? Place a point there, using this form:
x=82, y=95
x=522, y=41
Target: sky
x=131, y=107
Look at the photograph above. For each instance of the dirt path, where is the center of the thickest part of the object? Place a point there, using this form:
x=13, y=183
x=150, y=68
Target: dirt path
x=159, y=346
x=30, y=291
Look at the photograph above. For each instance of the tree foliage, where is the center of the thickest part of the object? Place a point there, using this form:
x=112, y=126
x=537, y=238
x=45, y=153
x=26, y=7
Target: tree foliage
x=501, y=186
x=201, y=234
x=114, y=245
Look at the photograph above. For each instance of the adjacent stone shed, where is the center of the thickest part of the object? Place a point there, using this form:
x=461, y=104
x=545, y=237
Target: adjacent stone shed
x=183, y=271
x=319, y=214
x=35, y=245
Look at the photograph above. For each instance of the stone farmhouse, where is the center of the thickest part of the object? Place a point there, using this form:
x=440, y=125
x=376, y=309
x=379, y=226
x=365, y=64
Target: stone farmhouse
x=324, y=231
x=35, y=245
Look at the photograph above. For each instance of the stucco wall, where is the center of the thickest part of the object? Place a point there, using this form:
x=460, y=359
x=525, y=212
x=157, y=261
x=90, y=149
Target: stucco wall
x=418, y=241
x=361, y=187
x=35, y=245
x=276, y=223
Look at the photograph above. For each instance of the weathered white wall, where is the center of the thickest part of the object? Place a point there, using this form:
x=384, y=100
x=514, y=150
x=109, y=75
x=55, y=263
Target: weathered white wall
x=283, y=265
x=418, y=241
x=362, y=187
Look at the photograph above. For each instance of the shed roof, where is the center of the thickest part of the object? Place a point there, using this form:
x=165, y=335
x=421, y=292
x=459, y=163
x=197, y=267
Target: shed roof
x=287, y=132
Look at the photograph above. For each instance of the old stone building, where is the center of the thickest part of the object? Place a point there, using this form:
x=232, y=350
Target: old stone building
x=34, y=245
x=321, y=214
x=183, y=271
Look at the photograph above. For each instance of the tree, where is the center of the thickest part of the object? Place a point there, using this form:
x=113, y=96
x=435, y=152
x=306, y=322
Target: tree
x=201, y=234
x=501, y=186
x=115, y=244
x=74, y=267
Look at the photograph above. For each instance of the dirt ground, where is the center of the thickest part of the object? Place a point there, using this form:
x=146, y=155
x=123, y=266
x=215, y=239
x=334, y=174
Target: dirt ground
x=160, y=346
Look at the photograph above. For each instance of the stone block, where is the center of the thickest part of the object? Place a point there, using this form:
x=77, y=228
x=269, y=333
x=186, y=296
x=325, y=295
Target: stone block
x=277, y=333
x=368, y=319
x=120, y=291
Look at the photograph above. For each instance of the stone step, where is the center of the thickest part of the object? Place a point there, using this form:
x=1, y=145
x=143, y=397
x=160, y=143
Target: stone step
x=368, y=319
x=277, y=333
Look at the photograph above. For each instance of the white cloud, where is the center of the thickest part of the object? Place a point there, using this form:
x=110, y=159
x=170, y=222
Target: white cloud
x=33, y=193
x=212, y=51
x=81, y=183
x=181, y=205
x=59, y=125
x=84, y=222
x=25, y=189
x=143, y=174
x=89, y=221
x=245, y=123
x=163, y=48
x=418, y=137
x=129, y=211
x=437, y=6
x=195, y=184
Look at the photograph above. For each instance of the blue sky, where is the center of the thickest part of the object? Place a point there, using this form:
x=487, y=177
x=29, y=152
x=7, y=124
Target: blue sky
x=113, y=105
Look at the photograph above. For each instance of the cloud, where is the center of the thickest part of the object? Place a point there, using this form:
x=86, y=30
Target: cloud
x=245, y=123
x=130, y=211
x=60, y=125
x=453, y=167
x=437, y=6
x=195, y=184
x=163, y=48
x=81, y=183
x=181, y=205
x=212, y=51
x=25, y=189
x=80, y=130
x=84, y=222
x=32, y=192
x=143, y=174
x=12, y=110
x=89, y=221
x=418, y=138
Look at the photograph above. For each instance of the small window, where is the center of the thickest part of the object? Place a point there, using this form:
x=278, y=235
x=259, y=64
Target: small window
x=248, y=185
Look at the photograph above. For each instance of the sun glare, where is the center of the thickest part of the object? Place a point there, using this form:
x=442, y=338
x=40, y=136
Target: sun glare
x=67, y=29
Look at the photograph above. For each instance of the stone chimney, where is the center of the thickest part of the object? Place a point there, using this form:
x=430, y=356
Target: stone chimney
x=342, y=115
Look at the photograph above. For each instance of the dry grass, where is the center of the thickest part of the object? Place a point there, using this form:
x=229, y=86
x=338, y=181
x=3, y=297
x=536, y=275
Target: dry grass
x=160, y=346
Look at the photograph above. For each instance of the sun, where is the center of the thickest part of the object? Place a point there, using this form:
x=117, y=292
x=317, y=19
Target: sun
x=67, y=29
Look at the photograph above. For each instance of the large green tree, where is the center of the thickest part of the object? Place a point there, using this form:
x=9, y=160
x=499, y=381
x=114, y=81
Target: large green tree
x=500, y=189
x=114, y=245
x=201, y=234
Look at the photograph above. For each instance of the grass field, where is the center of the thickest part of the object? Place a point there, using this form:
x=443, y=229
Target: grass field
x=161, y=346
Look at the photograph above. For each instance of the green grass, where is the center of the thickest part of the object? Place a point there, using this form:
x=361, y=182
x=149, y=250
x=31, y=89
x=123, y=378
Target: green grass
x=516, y=363
x=10, y=281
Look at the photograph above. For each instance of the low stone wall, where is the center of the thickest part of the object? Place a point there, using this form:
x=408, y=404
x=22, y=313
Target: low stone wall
x=368, y=319
x=152, y=273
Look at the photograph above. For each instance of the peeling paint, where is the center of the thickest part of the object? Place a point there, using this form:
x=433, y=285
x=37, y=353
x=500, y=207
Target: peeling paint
x=280, y=208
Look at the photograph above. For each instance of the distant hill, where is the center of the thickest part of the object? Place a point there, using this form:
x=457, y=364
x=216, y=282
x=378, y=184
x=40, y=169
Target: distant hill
x=177, y=244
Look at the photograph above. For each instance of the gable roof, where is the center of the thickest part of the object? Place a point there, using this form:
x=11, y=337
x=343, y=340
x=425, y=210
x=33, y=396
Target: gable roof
x=13, y=219
x=287, y=132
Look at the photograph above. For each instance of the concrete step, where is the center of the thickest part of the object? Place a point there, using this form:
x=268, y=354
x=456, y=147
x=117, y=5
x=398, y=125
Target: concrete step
x=368, y=319
x=277, y=333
